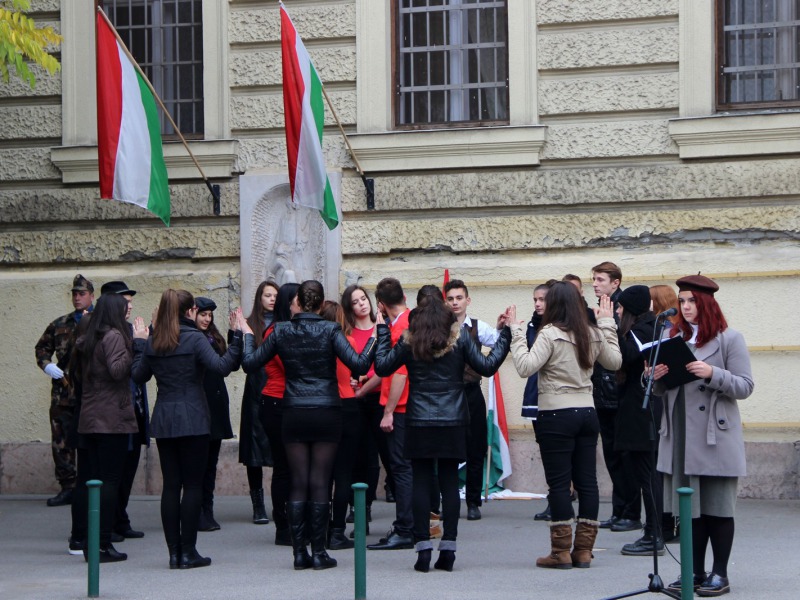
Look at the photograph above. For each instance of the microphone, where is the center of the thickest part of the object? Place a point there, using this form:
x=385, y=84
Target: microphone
x=670, y=312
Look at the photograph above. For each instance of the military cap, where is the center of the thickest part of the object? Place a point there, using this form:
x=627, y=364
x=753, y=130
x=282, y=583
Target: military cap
x=81, y=284
x=697, y=283
x=117, y=287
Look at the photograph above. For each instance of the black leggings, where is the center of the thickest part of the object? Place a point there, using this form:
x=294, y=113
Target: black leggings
x=423, y=473
x=106, y=454
x=183, y=464
x=343, y=466
x=310, y=467
x=210, y=475
x=719, y=531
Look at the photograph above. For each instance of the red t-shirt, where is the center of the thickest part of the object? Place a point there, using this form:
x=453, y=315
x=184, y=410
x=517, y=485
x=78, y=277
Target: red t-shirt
x=343, y=376
x=397, y=328
x=276, y=377
x=359, y=340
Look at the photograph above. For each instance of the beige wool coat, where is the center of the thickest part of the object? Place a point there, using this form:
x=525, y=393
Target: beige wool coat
x=714, y=440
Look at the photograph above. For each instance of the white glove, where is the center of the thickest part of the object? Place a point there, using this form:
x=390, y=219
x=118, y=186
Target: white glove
x=54, y=371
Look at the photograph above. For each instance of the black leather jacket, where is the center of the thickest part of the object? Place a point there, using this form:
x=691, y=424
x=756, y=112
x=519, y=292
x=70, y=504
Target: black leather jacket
x=436, y=388
x=308, y=345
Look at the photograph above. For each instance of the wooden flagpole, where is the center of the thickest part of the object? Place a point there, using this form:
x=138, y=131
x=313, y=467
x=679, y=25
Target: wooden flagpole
x=210, y=187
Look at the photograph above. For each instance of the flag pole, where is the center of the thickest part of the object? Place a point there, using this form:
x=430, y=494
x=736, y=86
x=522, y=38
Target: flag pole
x=369, y=184
x=211, y=188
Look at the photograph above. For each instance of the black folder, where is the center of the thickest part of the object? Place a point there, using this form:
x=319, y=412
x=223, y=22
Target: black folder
x=676, y=355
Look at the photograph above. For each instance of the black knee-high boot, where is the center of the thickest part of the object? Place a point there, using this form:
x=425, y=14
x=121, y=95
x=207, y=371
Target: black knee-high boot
x=320, y=513
x=296, y=515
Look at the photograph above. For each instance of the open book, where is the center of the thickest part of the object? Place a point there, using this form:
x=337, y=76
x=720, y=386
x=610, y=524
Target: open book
x=676, y=355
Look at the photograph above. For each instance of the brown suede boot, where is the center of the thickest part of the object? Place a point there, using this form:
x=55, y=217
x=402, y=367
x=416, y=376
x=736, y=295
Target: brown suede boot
x=585, y=535
x=560, y=542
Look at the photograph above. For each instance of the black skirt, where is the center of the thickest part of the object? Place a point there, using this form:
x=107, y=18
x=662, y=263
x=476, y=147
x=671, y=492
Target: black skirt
x=312, y=424
x=436, y=442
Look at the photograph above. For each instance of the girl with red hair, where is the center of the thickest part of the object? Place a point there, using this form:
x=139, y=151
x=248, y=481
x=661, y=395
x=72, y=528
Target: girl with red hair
x=701, y=444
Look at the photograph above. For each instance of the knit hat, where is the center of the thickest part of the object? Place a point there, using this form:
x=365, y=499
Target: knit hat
x=697, y=283
x=202, y=303
x=635, y=299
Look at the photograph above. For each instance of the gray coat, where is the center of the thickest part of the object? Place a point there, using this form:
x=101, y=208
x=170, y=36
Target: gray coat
x=714, y=441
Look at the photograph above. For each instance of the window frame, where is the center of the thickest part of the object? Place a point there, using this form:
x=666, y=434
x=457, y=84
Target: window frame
x=396, y=53
x=719, y=43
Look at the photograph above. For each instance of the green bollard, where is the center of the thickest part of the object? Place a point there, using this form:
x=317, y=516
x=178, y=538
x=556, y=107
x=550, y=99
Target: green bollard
x=687, y=560
x=360, y=538
x=93, y=538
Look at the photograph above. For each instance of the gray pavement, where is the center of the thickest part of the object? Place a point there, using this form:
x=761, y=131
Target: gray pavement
x=495, y=559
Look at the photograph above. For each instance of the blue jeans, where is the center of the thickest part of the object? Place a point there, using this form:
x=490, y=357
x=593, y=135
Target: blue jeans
x=568, y=443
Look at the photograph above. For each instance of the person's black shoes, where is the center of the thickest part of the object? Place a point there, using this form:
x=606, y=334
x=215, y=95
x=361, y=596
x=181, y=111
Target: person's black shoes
x=174, y=555
x=63, y=498
x=191, y=559
x=117, y=538
x=545, y=515
x=75, y=547
x=259, y=510
x=108, y=554
x=446, y=560
x=207, y=521
x=338, y=540
x=698, y=580
x=607, y=524
x=130, y=533
x=394, y=541
x=423, y=564
x=626, y=525
x=389, y=495
x=473, y=512
x=643, y=547
x=714, y=585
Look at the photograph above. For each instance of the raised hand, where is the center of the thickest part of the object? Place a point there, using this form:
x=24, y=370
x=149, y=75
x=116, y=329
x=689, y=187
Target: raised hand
x=140, y=331
x=606, y=308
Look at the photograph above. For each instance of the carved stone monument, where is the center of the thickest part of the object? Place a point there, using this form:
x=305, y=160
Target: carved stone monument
x=284, y=242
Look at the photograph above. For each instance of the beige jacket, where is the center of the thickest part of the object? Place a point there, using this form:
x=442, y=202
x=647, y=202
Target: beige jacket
x=562, y=382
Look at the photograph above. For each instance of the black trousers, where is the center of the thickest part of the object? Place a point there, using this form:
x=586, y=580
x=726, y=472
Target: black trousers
x=445, y=473
x=371, y=444
x=183, y=463
x=210, y=475
x=626, y=499
x=568, y=444
x=80, y=497
x=401, y=470
x=345, y=459
x=121, y=520
x=106, y=454
x=270, y=414
x=477, y=442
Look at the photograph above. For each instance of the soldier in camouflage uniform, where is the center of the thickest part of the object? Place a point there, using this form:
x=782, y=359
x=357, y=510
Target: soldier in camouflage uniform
x=58, y=339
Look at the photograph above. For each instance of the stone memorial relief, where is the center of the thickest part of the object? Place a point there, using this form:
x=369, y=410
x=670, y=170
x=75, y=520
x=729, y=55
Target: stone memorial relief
x=281, y=241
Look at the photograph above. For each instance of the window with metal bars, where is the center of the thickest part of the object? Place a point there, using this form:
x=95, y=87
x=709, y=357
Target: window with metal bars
x=451, y=64
x=758, y=49
x=166, y=38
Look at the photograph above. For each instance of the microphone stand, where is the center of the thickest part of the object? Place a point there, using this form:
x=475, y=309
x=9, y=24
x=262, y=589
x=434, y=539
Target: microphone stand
x=656, y=585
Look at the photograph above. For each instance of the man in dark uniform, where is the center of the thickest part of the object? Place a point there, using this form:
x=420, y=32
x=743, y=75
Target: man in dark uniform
x=58, y=339
x=457, y=298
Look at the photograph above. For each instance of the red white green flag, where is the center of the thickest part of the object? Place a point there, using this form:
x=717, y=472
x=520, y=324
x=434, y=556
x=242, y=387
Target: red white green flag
x=129, y=153
x=304, y=112
x=500, y=467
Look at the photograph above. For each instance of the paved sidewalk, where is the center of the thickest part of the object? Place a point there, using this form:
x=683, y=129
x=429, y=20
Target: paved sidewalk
x=495, y=559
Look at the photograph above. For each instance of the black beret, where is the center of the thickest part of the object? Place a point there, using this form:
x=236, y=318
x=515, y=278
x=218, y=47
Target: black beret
x=202, y=303
x=117, y=287
x=635, y=299
x=697, y=283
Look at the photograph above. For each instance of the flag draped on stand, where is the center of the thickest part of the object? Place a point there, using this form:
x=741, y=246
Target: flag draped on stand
x=129, y=152
x=304, y=112
x=500, y=467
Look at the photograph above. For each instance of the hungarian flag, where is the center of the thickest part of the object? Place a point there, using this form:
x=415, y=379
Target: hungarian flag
x=129, y=153
x=445, y=282
x=500, y=467
x=304, y=113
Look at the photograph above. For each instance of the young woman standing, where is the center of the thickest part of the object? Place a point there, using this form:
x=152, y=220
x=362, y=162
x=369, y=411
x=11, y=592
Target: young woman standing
x=107, y=417
x=254, y=445
x=435, y=349
x=308, y=346
x=219, y=409
x=567, y=428
x=702, y=444
x=177, y=355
